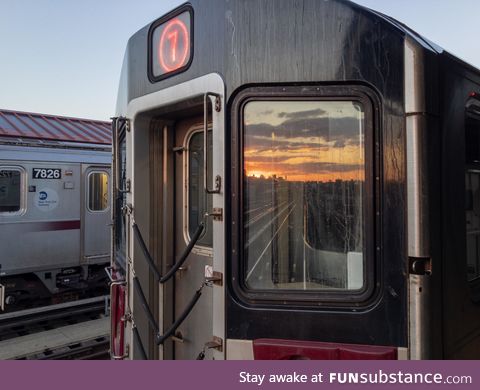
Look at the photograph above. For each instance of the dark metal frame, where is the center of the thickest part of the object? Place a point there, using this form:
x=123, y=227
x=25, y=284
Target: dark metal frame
x=325, y=299
x=154, y=25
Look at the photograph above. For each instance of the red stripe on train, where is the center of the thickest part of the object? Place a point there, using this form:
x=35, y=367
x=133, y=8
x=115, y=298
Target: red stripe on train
x=272, y=349
x=49, y=226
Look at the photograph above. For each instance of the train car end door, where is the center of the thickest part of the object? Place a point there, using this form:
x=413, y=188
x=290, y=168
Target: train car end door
x=96, y=214
x=170, y=125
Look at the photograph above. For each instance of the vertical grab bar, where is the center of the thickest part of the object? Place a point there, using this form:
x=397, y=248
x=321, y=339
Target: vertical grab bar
x=218, y=179
x=119, y=124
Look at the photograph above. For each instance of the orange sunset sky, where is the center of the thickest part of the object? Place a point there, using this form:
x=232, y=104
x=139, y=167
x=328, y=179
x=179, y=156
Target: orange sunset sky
x=304, y=140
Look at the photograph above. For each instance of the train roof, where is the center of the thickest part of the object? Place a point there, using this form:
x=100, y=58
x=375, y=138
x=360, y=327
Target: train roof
x=334, y=40
x=30, y=125
x=425, y=42
x=396, y=24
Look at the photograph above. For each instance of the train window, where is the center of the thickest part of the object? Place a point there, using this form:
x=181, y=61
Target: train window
x=472, y=191
x=196, y=192
x=97, y=191
x=303, y=195
x=10, y=190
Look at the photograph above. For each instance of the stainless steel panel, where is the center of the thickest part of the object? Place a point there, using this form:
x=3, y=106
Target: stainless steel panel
x=43, y=237
x=414, y=78
x=63, y=155
x=417, y=187
x=420, y=319
x=420, y=341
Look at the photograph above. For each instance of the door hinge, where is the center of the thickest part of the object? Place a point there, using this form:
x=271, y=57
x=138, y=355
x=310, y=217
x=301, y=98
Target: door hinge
x=217, y=214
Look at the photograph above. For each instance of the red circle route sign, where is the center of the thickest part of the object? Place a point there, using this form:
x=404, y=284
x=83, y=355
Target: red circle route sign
x=174, y=45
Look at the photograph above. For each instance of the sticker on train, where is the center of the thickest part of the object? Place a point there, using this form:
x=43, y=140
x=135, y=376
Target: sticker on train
x=47, y=173
x=46, y=199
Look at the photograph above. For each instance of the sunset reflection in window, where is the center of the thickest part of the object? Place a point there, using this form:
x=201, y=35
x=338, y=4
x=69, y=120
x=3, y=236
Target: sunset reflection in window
x=304, y=141
x=304, y=171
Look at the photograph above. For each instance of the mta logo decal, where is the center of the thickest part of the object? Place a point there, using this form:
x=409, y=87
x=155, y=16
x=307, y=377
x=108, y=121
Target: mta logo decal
x=42, y=195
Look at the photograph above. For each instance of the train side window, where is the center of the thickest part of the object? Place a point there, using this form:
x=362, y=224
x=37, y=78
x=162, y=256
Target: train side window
x=303, y=195
x=97, y=191
x=196, y=192
x=11, y=190
x=472, y=191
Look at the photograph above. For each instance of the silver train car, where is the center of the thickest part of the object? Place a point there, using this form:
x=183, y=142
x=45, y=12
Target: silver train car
x=54, y=208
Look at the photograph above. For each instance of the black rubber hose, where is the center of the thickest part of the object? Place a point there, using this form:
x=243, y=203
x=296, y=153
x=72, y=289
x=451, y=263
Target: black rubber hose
x=145, y=306
x=137, y=338
x=150, y=262
x=178, y=322
x=178, y=264
x=185, y=253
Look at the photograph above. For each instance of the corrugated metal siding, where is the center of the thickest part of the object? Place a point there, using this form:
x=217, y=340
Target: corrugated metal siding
x=48, y=127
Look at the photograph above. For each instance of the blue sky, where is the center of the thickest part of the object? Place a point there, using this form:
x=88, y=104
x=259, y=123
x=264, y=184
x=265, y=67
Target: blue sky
x=64, y=56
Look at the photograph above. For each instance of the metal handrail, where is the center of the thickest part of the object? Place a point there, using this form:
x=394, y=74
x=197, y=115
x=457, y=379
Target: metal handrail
x=118, y=124
x=205, y=143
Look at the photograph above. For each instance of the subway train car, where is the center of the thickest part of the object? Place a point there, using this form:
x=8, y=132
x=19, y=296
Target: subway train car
x=54, y=208
x=294, y=179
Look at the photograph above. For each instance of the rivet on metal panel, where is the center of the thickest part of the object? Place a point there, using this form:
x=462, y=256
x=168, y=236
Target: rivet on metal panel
x=218, y=183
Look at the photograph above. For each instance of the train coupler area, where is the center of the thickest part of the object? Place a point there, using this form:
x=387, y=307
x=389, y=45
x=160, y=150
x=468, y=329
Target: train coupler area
x=71, y=278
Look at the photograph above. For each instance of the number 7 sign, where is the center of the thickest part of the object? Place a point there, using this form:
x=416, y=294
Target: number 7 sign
x=171, y=44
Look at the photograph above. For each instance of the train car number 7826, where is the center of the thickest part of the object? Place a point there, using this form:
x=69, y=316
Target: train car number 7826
x=47, y=173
